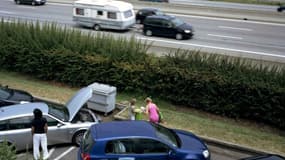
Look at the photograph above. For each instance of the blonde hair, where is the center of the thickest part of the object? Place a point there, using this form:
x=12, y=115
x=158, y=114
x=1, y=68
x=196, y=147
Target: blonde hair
x=148, y=99
x=133, y=101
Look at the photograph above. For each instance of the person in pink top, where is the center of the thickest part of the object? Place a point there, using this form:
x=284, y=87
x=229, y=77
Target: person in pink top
x=152, y=111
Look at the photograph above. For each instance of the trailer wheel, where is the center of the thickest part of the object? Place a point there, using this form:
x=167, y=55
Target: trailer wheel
x=96, y=27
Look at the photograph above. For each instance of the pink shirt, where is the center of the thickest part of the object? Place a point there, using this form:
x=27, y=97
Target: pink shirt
x=152, y=111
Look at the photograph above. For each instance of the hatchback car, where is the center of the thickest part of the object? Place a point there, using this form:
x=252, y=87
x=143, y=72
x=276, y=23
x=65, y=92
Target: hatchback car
x=9, y=96
x=32, y=2
x=140, y=140
x=66, y=124
x=167, y=26
x=143, y=13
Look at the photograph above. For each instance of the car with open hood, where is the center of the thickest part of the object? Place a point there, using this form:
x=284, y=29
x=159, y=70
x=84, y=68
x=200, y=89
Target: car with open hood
x=140, y=140
x=66, y=123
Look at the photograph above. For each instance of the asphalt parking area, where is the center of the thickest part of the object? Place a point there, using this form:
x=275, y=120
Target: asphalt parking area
x=57, y=152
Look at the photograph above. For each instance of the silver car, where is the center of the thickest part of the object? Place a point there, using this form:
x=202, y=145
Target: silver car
x=65, y=123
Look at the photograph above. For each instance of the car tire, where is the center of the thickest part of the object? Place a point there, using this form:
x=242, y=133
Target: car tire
x=33, y=3
x=178, y=36
x=96, y=27
x=18, y=2
x=77, y=137
x=148, y=33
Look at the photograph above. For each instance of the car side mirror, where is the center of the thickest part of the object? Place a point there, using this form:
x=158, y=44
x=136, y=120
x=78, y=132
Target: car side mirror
x=59, y=125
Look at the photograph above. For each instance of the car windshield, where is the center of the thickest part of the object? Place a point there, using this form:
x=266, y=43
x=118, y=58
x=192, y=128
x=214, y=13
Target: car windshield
x=4, y=93
x=159, y=13
x=177, y=21
x=58, y=111
x=167, y=135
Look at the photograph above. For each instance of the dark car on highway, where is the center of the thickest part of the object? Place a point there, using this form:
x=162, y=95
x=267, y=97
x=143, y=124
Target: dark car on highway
x=10, y=96
x=144, y=12
x=280, y=8
x=167, y=26
x=32, y=2
x=140, y=140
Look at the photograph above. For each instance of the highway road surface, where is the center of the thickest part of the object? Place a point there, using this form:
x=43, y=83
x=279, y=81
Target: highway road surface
x=241, y=38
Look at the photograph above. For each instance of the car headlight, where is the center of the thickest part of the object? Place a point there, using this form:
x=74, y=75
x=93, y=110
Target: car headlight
x=187, y=31
x=206, y=153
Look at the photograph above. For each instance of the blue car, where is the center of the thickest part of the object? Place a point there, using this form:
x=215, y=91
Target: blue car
x=140, y=140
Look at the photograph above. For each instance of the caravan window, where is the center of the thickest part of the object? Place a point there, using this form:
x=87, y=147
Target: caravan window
x=80, y=11
x=128, y=13
x=112, y=15
x=100, y=13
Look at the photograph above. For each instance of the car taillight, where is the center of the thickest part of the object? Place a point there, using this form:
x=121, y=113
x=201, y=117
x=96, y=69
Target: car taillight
x=85, y=156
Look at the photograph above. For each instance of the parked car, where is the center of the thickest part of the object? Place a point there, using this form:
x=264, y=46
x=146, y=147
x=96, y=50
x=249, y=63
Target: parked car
x=144, y=12
x=66, y=124
x=280, y=8
x=265, y=157
x=32, y=2
x=167, y=26
x=9, y=96
x=140, y=140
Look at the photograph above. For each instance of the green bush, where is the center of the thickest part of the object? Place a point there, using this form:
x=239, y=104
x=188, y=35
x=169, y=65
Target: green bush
x=226, y=86
x=7, y=152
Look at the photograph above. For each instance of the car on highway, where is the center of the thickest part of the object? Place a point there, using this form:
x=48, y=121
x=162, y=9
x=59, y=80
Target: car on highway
x=140, y=140
x=280, y=8
x=144, y=12
x=265, y=157
x=167, y=26
x=66, y=124
x=32, y=2
x=10, y=96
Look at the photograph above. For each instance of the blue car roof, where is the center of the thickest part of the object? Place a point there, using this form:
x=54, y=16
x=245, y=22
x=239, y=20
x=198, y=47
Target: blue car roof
x=115, y=129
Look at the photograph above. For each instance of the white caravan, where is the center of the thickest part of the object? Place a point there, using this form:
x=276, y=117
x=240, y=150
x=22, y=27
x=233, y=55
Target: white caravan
x=108, y=14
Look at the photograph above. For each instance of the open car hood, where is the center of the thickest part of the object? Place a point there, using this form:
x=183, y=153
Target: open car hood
x=77, y=101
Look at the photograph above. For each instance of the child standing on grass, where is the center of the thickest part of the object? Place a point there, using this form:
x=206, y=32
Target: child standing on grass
x=132, y=109
x=152, y=111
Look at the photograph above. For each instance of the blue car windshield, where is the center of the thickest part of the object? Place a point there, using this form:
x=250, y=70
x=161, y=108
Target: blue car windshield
x=177, y=21
x=58, y=111
x=167, y=135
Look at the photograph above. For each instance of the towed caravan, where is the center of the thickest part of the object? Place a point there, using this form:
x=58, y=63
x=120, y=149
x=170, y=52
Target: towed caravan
x=107, y=14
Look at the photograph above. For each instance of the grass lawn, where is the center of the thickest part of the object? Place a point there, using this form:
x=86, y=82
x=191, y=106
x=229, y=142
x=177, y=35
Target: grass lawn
x=246, y=133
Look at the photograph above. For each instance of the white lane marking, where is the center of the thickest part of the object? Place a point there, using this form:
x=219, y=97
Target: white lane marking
x=230, y=20
x=51, y=152
x=7, y=12
x=213, y=47
x=222, y=36
x=64, y=153
x=59, y=4
x=235, y=28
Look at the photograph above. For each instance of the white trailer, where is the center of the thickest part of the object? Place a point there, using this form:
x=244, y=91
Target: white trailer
x=108, y=14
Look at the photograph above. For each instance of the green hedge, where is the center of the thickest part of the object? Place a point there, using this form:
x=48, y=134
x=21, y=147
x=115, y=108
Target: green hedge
x=216, y=84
